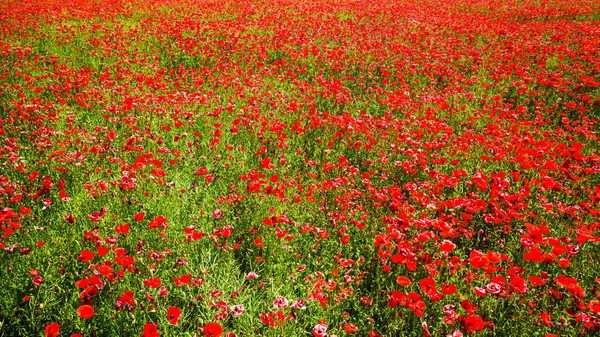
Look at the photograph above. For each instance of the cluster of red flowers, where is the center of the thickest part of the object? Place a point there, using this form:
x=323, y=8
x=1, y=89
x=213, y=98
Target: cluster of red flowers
x=327, y=167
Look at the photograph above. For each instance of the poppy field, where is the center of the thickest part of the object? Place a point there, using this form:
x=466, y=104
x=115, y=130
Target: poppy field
x=299, y=168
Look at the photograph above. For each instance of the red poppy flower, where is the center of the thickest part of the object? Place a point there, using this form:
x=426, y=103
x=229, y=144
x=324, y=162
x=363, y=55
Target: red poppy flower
x=428, y=285
x=152, y=282
x=546, y=319
x=403, y=281
x=151, y=330
x=320, y=330
x=86, y=256
x=212, y=330
x=173, y=315
x=536, y=281
x=280, y=302
x=139, y=217
x=70, y=218
x=85, y=311
x=52, y=329
x=184, y=279
x=493, y=288
x=37, y=280
x=102, y=251
x=447, y=246
x=480, y=291
x=350, y=328
x=122, y=229
x=473, y=323
x=448, y=289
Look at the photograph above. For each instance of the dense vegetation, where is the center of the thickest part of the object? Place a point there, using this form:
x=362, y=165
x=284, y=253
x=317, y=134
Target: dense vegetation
x=299, y=168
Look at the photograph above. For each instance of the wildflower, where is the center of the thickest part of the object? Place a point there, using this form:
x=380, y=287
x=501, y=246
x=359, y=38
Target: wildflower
x=212, y=330
x=85, y=311
x=173, y=315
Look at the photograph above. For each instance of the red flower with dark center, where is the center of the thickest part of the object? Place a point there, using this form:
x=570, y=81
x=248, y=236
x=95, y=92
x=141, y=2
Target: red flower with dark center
x=173, y=315
x=320, y=330
x=280, y=302
x=428, y=285
x=473, y=323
